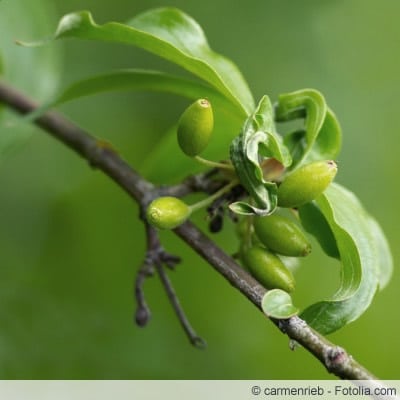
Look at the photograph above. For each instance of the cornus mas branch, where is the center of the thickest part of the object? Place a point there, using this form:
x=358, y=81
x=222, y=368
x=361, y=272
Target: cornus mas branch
x=101, y=155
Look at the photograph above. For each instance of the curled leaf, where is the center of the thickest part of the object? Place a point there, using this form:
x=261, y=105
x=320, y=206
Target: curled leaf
x=258, y=136
x=277, y=303
x=362, y=254
x=321, y=137
x=243, y=208
x=315, y=223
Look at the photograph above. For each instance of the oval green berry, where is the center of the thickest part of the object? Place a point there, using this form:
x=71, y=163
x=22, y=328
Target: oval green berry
x=281, y=235
x=268, y=269
x=167, y=212
x=306, y=183
x=195, y=127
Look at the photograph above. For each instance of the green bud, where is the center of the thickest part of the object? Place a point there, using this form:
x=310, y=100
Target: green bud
x=167, y=212
x=268, y=269
x=306, y=183
x=281, y=235
x=195, y=127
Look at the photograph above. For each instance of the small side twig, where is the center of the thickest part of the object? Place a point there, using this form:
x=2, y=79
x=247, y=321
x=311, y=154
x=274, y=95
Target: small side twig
x=157, y=258
x=193, y=337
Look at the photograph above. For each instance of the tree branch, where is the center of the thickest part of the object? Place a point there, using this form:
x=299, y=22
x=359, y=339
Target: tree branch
x=101, y=155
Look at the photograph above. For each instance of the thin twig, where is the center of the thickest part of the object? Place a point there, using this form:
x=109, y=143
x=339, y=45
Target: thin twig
x=335, y=359
x=157, y=257
x=194, y=338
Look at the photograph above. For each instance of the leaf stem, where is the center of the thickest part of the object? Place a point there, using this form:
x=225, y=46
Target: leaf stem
x=213, y=164
x=205, y=202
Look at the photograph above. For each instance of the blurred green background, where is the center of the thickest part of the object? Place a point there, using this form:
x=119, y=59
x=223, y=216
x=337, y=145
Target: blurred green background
x=71, y=241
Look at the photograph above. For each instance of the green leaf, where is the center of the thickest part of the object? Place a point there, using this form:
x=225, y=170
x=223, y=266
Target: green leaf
x=361, y=256
x=385, y=261
x=328, y=143
x=227, y=121
x=258, y=132
x=243, y=208
x=171, y=34
x=135, y=80
x=277, y=303
x=1, y=65
x=1, y=74
x=17, y=18
x=35, y=71
x=321, y=137
x=315, y=223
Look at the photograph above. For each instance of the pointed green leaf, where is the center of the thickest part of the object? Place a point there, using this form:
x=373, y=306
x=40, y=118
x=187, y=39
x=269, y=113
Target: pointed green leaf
x=171, y=34
x=277, y=303
x=321, y=137
x=361, y=256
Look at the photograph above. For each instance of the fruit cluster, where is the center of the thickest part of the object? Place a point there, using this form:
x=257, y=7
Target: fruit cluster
x=264, y=239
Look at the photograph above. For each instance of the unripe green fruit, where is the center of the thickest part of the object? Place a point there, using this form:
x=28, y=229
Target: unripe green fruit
x=306, y=183
x=282, y=236
x=167, y=212
x=195, y=127
x=268, y=269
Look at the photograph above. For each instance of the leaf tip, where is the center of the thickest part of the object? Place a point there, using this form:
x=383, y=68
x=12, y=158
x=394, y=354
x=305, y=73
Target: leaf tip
x=72, y=22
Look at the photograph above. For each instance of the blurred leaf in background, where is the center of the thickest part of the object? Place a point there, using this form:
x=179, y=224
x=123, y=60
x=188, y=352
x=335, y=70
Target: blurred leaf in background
x=35, y=71
x=71, y=241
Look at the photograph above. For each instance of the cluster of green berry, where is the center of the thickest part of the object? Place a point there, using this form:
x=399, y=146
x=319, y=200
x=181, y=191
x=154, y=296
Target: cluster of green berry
x=263, y=238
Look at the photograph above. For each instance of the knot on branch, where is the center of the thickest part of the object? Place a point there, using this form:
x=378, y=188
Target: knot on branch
x=335, y=358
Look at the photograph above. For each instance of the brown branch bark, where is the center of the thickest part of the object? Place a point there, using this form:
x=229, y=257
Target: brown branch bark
x=99, y=155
